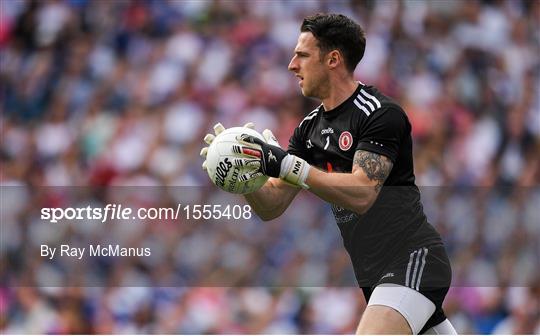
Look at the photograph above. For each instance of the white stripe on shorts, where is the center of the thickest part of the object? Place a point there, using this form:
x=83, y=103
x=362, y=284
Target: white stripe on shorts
x=421, y=269
x=417, y=262
x=411, y=260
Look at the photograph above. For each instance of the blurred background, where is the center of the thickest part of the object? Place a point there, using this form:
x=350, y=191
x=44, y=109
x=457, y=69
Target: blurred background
x=109, y=94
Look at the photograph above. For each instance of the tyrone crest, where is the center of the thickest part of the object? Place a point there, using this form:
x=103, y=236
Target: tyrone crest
x=345, y=141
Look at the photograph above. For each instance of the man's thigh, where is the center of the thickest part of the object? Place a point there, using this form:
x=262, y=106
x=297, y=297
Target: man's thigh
x=383, y=320
x=395, y=309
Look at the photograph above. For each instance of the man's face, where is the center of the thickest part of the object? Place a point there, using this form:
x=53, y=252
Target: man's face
x=308, y=66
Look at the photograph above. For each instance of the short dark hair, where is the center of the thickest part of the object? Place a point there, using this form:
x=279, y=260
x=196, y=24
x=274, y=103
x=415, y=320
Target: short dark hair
x=336, y=31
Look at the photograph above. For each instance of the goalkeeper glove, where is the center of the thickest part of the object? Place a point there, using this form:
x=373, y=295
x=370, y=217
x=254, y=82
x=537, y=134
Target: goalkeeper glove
x=274, y=161
x=209, y=138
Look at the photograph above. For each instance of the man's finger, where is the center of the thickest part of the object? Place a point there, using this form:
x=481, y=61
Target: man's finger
x=218, y=128
x=209, y=138
x=204, y=152
x=250, y=125
x=204, y=167
x=270, y=138
x=249, y=139
x=248, y=151
x=250, y=176
x=245, y=162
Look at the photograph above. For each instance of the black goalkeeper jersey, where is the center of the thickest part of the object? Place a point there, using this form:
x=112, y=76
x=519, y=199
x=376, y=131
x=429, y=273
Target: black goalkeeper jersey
x=396, y=223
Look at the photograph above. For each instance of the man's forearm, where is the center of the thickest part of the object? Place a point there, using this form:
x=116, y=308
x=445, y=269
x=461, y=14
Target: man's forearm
x=272, y=199
x=348, y=190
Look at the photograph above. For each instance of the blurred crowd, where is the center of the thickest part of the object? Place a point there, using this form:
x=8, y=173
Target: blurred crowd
x=113, y=94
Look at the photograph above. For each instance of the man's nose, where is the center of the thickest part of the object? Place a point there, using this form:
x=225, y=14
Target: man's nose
x=293, y=65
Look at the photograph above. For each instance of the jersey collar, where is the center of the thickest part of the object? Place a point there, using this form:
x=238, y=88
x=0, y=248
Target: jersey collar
x=343, y=106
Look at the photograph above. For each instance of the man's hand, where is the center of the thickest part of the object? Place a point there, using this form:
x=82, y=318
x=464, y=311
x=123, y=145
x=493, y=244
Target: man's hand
x=270, y=156
x=274, y=161
x=209, y=138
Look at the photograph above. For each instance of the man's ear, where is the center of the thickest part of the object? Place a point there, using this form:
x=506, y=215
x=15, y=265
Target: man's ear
x=334, y=59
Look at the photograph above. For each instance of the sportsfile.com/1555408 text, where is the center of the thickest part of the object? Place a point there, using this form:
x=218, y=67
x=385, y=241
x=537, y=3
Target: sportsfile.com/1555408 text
x=121, y=212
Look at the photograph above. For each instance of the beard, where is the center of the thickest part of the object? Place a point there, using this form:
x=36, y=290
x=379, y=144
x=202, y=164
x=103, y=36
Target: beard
x=316, y=88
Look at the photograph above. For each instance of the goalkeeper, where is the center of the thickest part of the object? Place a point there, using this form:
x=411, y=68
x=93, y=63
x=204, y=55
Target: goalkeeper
x=355, y=152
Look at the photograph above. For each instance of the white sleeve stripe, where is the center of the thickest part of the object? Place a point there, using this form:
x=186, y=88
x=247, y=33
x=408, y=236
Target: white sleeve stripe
x=362, y=107
x=371, y=107
x=373, y=98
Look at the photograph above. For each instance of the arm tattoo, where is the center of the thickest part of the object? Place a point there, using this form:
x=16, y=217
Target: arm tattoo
x=377, y=167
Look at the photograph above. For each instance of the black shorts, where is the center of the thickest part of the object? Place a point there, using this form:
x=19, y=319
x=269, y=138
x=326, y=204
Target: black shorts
x=424, y=269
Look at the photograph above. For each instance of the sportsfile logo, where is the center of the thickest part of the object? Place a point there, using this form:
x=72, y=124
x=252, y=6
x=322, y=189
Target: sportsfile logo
x=110, y=212
x=222, y=171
